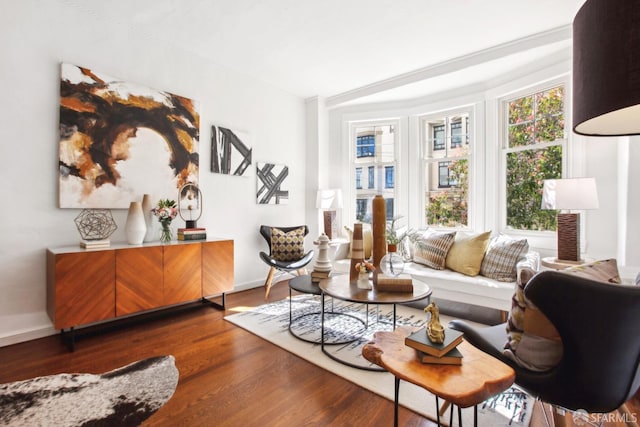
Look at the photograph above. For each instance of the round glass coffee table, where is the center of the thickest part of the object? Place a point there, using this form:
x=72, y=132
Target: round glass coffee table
x=341, y=288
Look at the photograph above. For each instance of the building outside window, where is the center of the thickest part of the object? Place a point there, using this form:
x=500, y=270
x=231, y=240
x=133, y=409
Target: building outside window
x=533, y=151
x=445, y=165
x=374, y=151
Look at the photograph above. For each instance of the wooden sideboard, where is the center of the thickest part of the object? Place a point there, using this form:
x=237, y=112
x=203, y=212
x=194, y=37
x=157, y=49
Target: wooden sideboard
x=86, y=286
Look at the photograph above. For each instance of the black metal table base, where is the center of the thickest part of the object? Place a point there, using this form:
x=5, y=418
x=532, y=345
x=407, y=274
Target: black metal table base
x=396, y=394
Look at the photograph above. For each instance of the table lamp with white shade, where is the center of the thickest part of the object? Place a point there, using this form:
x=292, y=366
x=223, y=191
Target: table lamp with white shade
x=567, y=195
x=330, y=201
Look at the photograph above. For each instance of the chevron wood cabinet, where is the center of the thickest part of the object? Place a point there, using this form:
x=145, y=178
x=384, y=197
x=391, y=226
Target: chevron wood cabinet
x=89, y=286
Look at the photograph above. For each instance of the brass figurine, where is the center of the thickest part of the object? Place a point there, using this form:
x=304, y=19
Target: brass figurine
x=435, y=330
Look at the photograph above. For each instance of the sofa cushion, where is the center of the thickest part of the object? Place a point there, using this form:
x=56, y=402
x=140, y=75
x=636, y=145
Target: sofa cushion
x=500, y=261
x=432, y=249
x=467, y=252
x=532, y=340
x=367, y=239
x=287, y=246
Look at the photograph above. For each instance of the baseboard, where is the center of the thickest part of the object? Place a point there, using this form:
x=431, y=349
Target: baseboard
x=27, y=335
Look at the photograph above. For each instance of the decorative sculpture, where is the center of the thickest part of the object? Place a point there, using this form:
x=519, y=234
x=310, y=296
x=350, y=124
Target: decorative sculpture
x=379, y=228
x=323, y=263
x=435, y=330
x=95, y=224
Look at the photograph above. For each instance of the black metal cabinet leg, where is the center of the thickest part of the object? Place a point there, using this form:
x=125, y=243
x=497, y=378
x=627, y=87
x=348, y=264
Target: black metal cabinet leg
x=396, y=401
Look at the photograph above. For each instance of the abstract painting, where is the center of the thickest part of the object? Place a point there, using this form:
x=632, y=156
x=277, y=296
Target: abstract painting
x=120, y=140
x=230, y=151
x=270, y=180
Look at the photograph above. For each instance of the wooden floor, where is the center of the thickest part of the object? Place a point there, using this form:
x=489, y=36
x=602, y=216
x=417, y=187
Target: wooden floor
x=228, y=377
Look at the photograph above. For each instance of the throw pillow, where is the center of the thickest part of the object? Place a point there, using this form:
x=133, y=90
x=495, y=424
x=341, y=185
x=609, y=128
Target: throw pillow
x=532, y=340
x=432, y=249
x=287, y=246
x=605, y=270
x=501, y=258
x=467, y=253
x=367, y=239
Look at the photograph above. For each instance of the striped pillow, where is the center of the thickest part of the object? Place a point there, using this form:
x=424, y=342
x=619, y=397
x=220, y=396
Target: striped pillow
x=432, y=249
x=500, y=261
x=287, y=246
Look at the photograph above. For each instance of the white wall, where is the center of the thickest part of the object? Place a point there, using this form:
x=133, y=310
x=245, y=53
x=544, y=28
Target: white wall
x=36, y=37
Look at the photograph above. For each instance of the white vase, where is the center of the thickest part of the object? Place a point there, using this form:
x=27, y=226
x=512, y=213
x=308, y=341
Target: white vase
x=147, y=205
x=363, y=281
x=135, y=228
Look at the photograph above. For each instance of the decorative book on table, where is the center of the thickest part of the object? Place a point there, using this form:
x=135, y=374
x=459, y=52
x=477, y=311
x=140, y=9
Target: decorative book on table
x=400, y=283
x=192, y=233
x=453, y=357
x=94, y=244
x=420, y=341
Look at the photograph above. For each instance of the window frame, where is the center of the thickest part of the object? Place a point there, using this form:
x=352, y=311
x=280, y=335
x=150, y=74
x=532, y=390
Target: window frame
x=540, y=239
x=472, y=159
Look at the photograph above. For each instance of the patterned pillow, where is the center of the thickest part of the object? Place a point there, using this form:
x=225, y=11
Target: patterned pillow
x=500, y=261
x=605, y=270
x=287, y=246
x=467, y=253
x=532, y=340
x=432, y=249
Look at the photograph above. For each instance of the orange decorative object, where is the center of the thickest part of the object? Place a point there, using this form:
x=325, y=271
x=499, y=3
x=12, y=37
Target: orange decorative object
x=379, y=228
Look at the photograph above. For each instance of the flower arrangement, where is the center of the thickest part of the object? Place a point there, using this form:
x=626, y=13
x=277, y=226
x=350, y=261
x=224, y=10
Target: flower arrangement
x=166, y=211
x=365, y=267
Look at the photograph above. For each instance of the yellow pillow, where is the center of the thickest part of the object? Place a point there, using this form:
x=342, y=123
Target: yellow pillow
x=467, y=252
x=367, y=239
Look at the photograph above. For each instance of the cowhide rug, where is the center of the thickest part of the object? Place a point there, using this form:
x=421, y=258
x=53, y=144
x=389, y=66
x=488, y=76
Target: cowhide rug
x=123, y=397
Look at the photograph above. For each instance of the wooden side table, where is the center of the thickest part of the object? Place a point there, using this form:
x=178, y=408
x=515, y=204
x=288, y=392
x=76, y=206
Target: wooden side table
x=478, y=378
x=558, y=264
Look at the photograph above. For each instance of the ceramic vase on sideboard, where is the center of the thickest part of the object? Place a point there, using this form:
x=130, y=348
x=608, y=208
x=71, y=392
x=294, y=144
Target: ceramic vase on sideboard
x=135, y=228
x=147, y=205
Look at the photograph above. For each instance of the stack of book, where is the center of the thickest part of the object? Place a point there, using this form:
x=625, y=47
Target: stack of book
x=316, y=276
x=192, y=233
x=442, y=354
x=95, y=244
x=399, y=283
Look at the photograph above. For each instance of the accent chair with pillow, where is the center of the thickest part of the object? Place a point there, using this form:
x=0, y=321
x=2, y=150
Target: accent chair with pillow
x=572, y=337
x=286, y=251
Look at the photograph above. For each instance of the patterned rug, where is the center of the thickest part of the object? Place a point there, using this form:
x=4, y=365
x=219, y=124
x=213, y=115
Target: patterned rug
x=271, y=322
x=122, y=397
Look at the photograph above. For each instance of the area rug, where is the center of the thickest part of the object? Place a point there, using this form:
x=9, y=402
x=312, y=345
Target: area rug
x=122, y=397
x=271, y=322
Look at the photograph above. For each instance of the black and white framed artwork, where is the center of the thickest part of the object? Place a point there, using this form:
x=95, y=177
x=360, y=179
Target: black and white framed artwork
x=271, y=184
x=230, y=151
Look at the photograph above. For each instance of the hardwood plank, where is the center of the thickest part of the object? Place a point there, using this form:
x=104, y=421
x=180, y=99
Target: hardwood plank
x=228, y=376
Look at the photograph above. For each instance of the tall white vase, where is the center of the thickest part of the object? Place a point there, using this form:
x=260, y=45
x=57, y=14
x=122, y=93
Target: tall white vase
x=147, y=205
x=135, y=227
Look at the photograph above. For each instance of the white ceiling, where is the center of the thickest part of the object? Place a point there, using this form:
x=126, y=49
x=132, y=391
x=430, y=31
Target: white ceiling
x=353, y=50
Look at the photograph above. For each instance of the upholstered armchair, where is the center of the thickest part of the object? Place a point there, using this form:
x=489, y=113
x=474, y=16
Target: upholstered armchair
x=286, y=251
x=599, y=327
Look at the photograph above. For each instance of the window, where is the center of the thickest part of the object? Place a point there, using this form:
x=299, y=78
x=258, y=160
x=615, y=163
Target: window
x=445, y=167
x=533, y=152
x=366, y=146
x=456, y=134
x=444, y=177
x=372, y=177
x=374, y=152
x=438, y=137
x=389, y=177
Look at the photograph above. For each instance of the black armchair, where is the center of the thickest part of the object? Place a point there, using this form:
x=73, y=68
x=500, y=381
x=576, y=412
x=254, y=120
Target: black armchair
x=599, y=325
x=297, y=265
